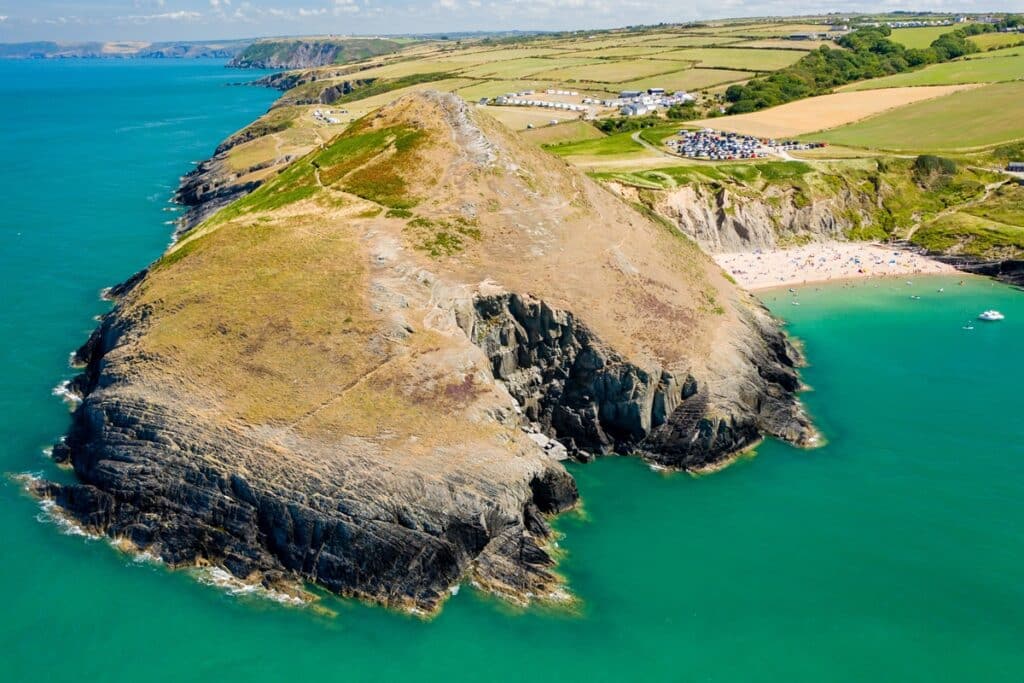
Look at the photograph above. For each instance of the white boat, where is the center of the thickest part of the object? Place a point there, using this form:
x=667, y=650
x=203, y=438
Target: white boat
x=991, y=316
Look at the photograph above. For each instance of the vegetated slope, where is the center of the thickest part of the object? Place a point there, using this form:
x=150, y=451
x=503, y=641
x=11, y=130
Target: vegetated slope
x=352, y=375
x=309, y=52
x=739, y=207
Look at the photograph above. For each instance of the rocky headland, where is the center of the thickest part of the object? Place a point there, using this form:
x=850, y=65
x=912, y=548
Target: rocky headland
x=365, y=373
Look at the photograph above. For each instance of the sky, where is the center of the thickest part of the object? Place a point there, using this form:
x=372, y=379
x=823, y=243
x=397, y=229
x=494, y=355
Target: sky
x=155, y=20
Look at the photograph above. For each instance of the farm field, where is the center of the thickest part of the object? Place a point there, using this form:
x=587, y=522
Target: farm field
x=781, y=44
x=570, y=131
x=694, y=41
x=523, y=68
x=920, y=37
x=737, y=58
x=827, y=111
x=687, y=79
x=974, y=118
x=770, y=30
x=610, y=150
x=991, y=68
x=613, y=72
x=521, y=118
x=993, y=41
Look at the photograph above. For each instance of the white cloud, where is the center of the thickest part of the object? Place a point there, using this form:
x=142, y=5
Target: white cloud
x=345, y=7
x=3, y=18
x=180, y=15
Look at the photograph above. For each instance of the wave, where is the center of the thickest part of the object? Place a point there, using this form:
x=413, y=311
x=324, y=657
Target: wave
x=64, y=391
x=232, y=585
x=50, y=512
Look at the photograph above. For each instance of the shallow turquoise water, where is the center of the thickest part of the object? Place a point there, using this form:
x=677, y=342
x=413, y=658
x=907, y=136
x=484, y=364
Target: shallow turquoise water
x=892, y=553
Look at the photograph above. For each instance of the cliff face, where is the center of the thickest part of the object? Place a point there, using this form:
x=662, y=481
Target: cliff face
x=364, y=373
x=308, y=53
x=724, y=220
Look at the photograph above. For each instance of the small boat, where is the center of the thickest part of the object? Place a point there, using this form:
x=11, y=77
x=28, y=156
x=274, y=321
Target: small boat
x=991, y=316
x=941, y=290
x=914, y=296
x=968, y=326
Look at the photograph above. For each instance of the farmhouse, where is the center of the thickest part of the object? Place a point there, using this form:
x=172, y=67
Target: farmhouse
x=1015, y=167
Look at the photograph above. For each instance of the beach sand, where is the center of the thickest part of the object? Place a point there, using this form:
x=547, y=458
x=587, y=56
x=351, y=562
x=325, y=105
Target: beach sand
x=823, y=262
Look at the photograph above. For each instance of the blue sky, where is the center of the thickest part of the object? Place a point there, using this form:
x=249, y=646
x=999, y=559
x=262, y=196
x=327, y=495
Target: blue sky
x=207, y=19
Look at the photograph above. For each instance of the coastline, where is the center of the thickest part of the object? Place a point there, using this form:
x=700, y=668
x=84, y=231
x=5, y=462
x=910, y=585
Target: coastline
x=825, y=262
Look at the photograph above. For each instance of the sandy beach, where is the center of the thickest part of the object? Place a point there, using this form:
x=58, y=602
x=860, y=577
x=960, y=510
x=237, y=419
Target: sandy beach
x=825, y=261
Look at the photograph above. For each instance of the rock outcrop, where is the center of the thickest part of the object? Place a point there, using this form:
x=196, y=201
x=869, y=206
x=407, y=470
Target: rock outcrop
x=722, y=219
x=365, y=373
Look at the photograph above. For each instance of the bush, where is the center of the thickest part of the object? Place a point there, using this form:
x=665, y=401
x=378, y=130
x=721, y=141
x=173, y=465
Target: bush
x=930, y=165
x=623, y=124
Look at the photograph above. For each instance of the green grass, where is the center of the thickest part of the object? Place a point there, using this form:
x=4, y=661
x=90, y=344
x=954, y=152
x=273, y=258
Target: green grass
x=753, y=174
x=919, y=37
x=382, y=86
x=1005, y=205
x=522, y=68
x=563, y=133
x=614, y=71
x=749, y=59
x=612, y=145
x=687, y=79
x=656, y=134
x=962, y=233
x=295, y=183
x=442, y=237
x=968, y=119
x=993, y=41
x=985, y=68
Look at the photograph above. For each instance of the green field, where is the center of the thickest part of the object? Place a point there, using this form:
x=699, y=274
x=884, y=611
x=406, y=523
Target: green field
x=687, y=79
x=694, y=41
x=613, y=72
x=1012, y=51
x=750, y=59
x=617, y=145
x=992, y=41
x=570, y=131
x=974, y=118
x=494, y=88
x=522, y=68
x=919, y=37
x=993, y=69
x=623, y=51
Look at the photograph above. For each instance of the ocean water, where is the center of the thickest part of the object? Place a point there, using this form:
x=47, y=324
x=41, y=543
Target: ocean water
x=893, y=552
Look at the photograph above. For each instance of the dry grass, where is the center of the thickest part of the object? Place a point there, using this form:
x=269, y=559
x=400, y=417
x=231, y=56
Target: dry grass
x=828, y=111
x=688, y=79
x=613, y=71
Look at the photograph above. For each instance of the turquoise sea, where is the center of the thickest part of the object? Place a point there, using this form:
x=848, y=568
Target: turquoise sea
x=893, y=553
